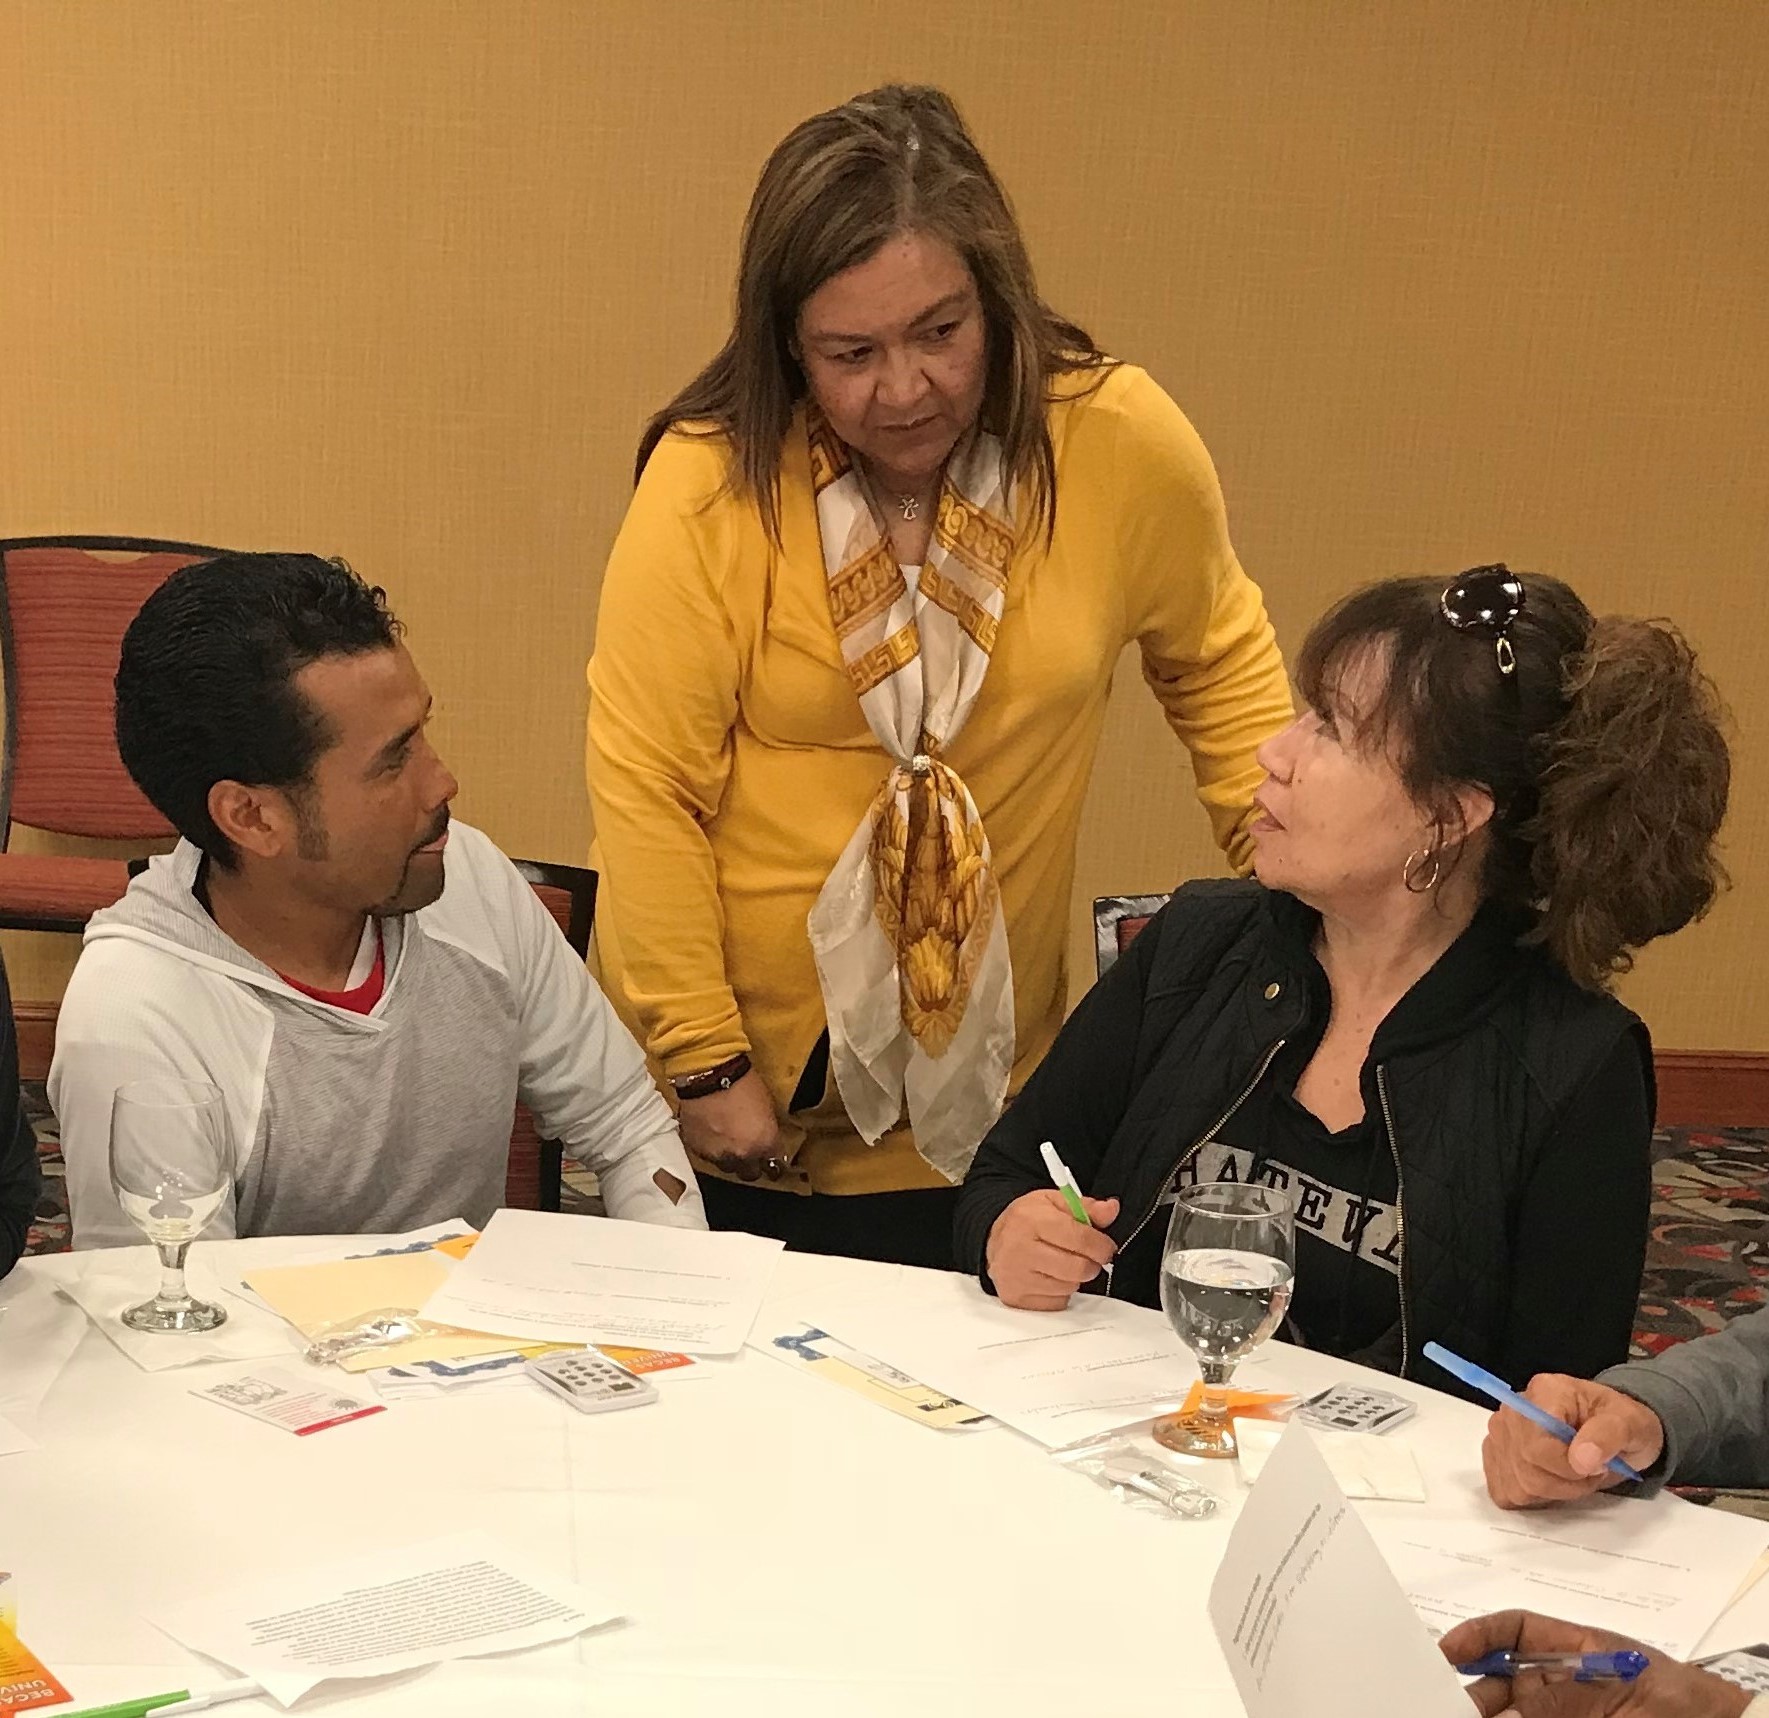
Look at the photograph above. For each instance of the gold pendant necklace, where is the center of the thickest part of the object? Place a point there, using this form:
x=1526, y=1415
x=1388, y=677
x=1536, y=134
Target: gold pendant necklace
x=910, y=505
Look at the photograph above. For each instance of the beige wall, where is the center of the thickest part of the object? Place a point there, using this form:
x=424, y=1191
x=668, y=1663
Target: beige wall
x=1438, y=283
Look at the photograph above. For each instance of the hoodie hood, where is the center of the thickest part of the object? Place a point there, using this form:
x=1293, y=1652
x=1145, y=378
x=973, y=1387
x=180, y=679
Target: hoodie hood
x=161, y=910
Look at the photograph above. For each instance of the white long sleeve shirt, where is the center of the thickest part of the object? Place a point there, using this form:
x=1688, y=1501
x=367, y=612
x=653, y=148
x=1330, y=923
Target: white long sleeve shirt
x=362, y=1123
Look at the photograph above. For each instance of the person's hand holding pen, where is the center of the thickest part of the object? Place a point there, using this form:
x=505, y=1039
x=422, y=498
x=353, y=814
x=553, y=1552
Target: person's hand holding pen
x=1526, y=1467
x=1666, y=1689
x=1046, y=1244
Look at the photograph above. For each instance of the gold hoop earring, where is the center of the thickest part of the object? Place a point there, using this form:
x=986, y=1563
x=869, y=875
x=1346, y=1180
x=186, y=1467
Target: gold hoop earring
x=1420, y=872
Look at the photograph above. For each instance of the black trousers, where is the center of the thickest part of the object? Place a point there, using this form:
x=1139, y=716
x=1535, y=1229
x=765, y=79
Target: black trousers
x=913, y=1228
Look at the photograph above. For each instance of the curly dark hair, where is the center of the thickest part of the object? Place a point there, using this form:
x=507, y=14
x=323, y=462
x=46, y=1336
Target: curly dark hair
x=205, y=688
x=1605, y=755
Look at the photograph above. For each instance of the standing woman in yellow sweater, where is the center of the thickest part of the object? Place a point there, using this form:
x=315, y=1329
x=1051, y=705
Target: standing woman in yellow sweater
x=855, y=644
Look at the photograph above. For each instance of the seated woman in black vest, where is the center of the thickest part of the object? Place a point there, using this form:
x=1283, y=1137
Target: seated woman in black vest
x=1490, y=800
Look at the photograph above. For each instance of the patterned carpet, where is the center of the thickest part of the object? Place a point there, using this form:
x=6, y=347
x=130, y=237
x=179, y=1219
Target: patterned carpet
x=1707, y=1259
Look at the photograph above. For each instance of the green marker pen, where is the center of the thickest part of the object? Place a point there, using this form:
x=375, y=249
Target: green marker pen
x=174, y=1701
x=1064, y=1183
x=137, y=1708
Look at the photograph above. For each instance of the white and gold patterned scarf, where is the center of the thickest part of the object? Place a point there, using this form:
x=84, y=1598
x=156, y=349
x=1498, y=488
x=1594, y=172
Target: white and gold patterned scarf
x=908, y=932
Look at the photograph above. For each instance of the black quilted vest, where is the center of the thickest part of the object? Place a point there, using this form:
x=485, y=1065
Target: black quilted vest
x=1469, y=1074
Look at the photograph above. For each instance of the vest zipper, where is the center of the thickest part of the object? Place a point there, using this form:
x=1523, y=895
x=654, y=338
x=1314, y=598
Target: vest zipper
x=1400, y=1213
x=1192, y=1151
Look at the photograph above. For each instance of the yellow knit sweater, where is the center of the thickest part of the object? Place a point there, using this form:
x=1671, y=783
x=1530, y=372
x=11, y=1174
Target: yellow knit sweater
x=729, y=761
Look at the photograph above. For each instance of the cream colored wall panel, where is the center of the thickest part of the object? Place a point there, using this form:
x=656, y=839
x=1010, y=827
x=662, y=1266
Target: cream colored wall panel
x=401, y=282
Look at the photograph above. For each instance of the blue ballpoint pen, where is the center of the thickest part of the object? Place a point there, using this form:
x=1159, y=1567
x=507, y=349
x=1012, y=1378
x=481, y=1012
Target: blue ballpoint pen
x=1583, y=1666
x=1502, y=1393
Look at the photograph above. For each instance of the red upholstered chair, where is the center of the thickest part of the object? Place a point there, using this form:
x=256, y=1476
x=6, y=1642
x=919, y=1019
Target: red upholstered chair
x=65, y=603
x=1117, y=919
x=568, y=892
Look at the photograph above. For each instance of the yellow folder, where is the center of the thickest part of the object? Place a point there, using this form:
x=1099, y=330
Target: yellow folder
x=343, y=1291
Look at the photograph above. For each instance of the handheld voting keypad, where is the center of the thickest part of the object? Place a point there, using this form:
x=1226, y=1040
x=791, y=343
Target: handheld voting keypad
x=1353, y=1408
x=590, y=1382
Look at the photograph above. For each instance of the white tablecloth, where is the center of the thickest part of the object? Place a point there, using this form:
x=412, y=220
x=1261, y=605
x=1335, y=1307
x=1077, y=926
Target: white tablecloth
x=779, y=1547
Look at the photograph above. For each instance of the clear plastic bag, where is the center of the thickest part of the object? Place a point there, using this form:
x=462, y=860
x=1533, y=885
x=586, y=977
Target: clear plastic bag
x=1136, y=1476
x=387, y=1325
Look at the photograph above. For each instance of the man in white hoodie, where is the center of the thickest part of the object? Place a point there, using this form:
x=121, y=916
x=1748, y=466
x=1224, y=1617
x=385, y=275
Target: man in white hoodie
x=371, y=988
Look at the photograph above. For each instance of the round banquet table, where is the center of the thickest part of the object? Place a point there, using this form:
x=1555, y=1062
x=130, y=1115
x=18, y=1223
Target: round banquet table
x=775, y=1544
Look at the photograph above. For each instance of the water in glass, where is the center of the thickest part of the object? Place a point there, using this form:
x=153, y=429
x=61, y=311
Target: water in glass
x=1226, y=1277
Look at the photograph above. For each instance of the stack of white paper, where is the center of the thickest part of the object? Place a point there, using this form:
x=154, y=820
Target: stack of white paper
x=593, y=1279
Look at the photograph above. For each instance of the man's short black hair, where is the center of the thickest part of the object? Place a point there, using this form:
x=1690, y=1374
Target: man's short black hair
x=205, y=687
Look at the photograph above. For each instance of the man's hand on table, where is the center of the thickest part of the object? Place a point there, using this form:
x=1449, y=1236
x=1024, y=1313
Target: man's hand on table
x=1038, y=1255
x=1526, y=1466
x=1667, y=1689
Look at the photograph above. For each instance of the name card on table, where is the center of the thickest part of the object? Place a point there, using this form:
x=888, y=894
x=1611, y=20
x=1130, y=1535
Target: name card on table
x=1308, y=1614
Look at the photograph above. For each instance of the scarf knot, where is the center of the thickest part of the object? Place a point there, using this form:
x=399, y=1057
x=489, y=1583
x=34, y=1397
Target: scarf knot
x=908, y=933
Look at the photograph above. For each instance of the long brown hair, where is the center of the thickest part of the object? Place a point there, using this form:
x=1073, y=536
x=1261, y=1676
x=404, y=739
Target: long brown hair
x=1605, y=755
x=839, y=185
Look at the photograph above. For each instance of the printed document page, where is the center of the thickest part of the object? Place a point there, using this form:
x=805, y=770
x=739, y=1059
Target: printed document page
x=396, y=1610
x=1657, y=1569
x=595, y=1279
x=1058, y=1377
x=1307, y=1615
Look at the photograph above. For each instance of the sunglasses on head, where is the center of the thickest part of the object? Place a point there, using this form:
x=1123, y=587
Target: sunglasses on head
x=1486, y=599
